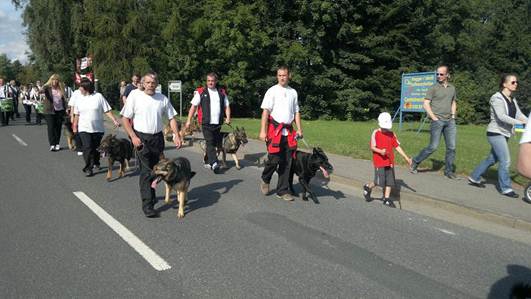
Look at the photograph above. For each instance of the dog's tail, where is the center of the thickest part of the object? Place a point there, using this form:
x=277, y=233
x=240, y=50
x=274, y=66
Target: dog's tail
x=192, y=173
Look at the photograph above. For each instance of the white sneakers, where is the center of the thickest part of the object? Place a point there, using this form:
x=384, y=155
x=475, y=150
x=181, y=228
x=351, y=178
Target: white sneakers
x=57, y=147
x=54, y=148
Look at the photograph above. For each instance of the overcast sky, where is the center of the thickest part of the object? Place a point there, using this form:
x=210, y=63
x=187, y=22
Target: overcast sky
x=12, y=38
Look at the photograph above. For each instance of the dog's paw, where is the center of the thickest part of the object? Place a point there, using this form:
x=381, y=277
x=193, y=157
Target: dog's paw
x=180, y=214
x=238, y=167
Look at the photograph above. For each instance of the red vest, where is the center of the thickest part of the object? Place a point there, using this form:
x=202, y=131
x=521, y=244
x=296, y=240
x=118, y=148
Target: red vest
x=203, y=110
x=274, y=134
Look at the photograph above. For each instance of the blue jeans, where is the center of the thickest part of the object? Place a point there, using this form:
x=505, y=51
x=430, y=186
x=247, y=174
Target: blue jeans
x=438, y=128
x=498, y=153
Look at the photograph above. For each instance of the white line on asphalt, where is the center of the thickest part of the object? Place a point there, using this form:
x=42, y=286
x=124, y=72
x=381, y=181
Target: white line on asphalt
x=149, y=255
x=19, y=140
x=446, y=231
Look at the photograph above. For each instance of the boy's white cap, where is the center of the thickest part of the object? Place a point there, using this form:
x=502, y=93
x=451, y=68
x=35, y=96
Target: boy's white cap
x=384, y=121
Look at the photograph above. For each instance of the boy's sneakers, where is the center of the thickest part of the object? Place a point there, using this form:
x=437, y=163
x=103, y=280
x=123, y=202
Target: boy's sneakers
x=388, y=202
x=367, y=193
x=413, y=168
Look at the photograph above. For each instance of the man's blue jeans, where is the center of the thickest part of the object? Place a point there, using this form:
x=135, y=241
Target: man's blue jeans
x=438, y=128
x=498, y=153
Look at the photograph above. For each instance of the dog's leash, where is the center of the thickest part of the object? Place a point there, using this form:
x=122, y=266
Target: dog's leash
x=303, y=141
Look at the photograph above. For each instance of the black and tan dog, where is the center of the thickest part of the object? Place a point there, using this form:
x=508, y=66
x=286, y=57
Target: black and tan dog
x=305, y=166
x=69, y=134
x=176, y=174
x=230, y=143
x=194, y=127
x=115, y=149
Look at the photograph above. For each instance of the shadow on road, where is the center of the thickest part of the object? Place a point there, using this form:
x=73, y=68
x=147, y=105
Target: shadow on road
x=201, y=197
x=516, y=276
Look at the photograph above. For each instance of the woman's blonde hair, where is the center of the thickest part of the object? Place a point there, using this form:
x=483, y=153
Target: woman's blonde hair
x=61, y=85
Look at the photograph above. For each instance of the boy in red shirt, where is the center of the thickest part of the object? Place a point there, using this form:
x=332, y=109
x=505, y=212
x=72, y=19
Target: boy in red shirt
x=383, y=141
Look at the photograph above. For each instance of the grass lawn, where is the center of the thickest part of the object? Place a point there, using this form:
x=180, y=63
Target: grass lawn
x=352, y=139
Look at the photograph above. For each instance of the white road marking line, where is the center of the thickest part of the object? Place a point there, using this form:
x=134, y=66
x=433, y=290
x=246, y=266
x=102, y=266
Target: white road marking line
x=147, y=253
x=19, y=140
x=446, y=231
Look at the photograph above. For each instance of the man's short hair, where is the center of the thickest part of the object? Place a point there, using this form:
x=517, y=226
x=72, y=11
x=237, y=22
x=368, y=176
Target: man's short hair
x=283, y=68
x=87, y=85
x=213, y=75
x=152, y=75
x=444, y=66
x=136, y=75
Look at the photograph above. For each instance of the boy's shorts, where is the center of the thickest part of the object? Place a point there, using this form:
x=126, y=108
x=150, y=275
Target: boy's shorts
x=384, y=177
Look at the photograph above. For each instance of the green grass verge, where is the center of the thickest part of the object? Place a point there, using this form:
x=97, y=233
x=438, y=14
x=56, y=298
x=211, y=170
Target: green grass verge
x=352, y=139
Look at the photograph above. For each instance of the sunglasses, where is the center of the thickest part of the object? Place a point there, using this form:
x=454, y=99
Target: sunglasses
x=441, y=74
x=514, y=82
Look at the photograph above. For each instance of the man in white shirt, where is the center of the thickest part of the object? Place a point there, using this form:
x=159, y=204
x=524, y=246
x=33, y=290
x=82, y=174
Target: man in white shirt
x=4, y=115
x=147, y=108
x=524, y=156
x=280, y=108
x=210, y=104
x=72, y=102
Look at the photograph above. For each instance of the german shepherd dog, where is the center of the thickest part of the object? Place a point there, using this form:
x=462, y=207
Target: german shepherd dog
x=176, y=174
x=115, y=149
x=194, y=127
x=305, y=166
x=230, y=143
x=69, y=134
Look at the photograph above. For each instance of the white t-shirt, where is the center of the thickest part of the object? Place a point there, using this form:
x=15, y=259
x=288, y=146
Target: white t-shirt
x=282, y=102
x=214, y=104
x=75, y=96
x=90, y=109
x=147, y=111
x=526, y=137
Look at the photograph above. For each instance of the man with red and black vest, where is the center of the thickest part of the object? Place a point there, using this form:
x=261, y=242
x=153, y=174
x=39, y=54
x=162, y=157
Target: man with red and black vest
x=280, y=109
x=210, y=103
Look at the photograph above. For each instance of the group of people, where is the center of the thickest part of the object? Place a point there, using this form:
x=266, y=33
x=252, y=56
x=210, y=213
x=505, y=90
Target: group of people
x=12, y=94
x=143, y=111
x=440, y=104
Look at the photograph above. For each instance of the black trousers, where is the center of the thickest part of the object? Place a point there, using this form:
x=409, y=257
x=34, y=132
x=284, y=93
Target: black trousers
x=54, y=122
x=212, y=135
x=148, y=155
x=4, y=117
x=38, y=118
x=90, y=142
x=15, y=111
x=281, y=163
x=28, y=112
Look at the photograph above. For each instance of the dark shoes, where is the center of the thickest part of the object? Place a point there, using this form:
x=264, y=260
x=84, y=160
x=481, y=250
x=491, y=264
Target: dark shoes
x=452, y=176
x=389, y=203
x=367, y=193
x=475, y=183
x=147, y=208
x=413, y=168
x=511, y=194
x=215, y=168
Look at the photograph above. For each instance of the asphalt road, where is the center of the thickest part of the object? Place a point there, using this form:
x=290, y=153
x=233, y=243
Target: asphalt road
x=233, y=242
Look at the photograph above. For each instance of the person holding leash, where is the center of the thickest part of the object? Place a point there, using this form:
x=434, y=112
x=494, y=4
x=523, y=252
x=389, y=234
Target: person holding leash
x=504, y=114
x=280, y=108
x=146, y=108
x=440, y=105
x=210, y=103
x=88, y=122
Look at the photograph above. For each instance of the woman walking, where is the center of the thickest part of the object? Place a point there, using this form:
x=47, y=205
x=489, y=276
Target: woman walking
x=88, y=122
x=54, y=110
x=504, y=114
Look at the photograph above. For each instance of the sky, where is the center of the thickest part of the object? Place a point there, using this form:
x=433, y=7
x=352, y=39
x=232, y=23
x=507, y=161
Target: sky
x=12, y=38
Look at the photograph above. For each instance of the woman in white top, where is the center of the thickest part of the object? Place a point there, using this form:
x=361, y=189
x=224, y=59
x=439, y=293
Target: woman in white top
x=88, y=122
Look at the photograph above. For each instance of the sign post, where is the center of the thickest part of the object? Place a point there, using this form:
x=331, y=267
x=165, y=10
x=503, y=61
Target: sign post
x=175, y=86
x=413, y=92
